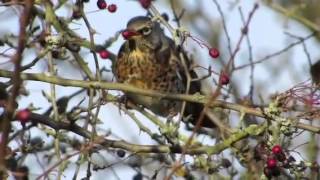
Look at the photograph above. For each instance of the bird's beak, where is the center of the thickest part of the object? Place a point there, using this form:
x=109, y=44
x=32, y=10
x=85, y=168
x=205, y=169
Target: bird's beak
x=129, y=34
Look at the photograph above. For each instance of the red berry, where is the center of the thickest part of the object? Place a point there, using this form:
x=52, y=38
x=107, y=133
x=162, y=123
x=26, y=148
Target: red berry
x=213, y=52
x=112, y=8
x=104, y=54
x=278, y=152
x=271, y=163
x=277, y=149
x=224, y=78
x=23, y=115
x=127, y=34
x=145, y=3
x=101, y=4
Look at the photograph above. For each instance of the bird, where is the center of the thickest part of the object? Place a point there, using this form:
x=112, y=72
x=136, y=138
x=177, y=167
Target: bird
x=150, y=60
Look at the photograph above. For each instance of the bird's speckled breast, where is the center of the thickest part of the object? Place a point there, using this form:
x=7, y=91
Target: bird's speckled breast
x=142, y=70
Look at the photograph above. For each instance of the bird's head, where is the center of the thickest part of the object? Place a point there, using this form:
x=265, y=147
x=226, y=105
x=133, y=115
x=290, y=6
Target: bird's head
x=144, y=31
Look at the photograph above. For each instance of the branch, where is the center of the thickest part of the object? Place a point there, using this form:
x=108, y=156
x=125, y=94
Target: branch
x=196, y=98
x=290, y=14
x=16, y=79
x=277, y=53
x=252, y=130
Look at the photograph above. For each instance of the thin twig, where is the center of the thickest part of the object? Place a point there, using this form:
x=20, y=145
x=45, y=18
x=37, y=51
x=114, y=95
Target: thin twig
x=224, y=26
x=251, y=90
x=269, y=56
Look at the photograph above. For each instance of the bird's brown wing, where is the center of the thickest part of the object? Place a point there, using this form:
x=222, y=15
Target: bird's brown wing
x=193, y=109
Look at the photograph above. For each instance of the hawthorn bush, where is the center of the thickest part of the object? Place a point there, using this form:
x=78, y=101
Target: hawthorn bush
x=64, y=116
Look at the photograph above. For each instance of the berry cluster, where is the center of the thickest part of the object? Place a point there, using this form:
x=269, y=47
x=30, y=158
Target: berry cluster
x=103, y=5
x=276, y=159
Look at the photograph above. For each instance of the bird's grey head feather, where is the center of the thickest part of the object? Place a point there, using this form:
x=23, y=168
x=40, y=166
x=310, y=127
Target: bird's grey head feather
x=142, y=25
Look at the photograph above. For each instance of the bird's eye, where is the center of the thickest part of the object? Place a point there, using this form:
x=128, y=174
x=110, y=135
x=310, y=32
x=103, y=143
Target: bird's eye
x=146, y=31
